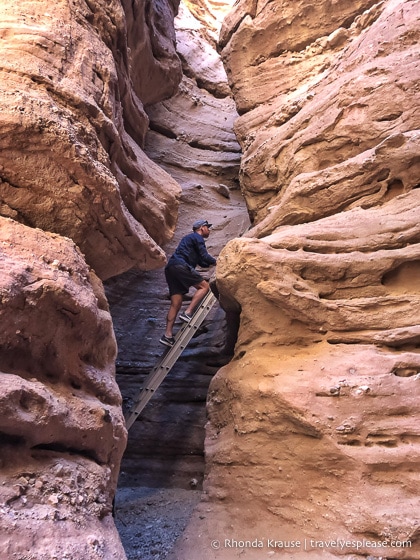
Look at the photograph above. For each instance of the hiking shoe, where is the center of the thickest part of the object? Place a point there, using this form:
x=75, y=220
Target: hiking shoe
x=167, y=341
x=185, y=317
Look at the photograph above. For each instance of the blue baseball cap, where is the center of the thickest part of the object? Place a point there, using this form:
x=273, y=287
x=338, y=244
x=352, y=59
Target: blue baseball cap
x=200, y=223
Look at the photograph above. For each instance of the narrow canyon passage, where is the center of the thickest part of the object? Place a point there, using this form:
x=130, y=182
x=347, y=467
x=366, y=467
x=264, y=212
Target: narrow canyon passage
x=165, y=445
x=119, y=128
x=191, y=136
x=163, y=466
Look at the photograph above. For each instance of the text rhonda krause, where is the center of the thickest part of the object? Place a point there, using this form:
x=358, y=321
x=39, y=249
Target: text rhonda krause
x=308, y=544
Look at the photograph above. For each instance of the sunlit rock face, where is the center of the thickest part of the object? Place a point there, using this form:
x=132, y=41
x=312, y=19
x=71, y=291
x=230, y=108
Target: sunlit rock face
x=61, y=427
x=74, y=81
x=330, y=115
x=210, y=15
x=191, y=134
x=313, y=427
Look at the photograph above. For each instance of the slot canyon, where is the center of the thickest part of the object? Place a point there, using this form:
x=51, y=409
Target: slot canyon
x=289, y=426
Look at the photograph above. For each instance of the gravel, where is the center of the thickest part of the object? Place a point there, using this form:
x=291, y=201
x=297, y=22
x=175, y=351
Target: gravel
x=150, y=520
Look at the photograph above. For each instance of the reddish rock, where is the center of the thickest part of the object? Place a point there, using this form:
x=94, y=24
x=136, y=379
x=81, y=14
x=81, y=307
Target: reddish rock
x=73, y=124
x=313, y=426
x=62, y=430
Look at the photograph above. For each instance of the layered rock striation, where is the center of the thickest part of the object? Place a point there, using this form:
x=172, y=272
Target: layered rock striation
x=353, y=116
x=73, y=91
x=191, y=134
x=79, y=202
x=313, y=427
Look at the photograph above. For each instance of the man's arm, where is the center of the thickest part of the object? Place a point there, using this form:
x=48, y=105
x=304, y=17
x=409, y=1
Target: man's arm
x=205, y=259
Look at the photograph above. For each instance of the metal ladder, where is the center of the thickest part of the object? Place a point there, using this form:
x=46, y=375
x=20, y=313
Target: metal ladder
x=168, y=359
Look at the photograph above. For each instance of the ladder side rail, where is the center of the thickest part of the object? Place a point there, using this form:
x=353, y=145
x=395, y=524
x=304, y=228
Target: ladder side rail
x=151, y=384
x=162, y=368
x=189, y=329
x=167, y=361
x=182, y=338
x=144, y=397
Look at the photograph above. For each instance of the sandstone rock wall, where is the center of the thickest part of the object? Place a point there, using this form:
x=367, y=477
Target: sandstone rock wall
x=349, y=75
x=79, y=202
x=62, y=433
x=313, y=427
x=192, y=135
x=73, y=90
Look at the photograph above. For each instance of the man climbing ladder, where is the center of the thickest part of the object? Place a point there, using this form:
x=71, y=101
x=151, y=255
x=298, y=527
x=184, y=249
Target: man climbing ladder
x=180, y=275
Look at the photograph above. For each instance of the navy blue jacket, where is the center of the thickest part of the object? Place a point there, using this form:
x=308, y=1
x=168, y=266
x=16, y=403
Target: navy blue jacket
x=192, y=251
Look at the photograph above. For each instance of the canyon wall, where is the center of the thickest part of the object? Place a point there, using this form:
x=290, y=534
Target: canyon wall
x=79, y=202
x=312, y=444
x=313, y=426
x=62, y=432
x=73, y=91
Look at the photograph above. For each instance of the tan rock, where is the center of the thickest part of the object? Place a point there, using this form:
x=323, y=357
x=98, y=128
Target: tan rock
x=62, y=428
x=201, y=61
x=287, y=45
x=191, y=134
x=72, y=122
x=209, y=15
x=314, y=446
x=317, y=122
x=350, y=272
x=313, y=427
x=151, y=41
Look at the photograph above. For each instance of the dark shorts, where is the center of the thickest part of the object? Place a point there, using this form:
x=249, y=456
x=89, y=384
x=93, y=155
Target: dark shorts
x=180, y=278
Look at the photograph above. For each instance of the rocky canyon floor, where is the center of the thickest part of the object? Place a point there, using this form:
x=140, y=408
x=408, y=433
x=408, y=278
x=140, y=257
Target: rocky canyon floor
x=150, y=520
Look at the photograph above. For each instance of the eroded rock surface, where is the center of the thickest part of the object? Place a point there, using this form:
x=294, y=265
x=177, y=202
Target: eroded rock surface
x=73, y=91
x=192, y=135
x=61, y=427
x=339, y=134
x=75, y=79
x=313, y=427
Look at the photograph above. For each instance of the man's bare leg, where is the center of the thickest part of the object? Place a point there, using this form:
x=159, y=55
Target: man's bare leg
x=176, y=302
x=201, y=290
